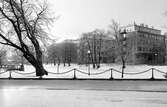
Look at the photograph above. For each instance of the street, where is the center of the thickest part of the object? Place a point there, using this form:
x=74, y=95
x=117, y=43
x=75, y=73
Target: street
x=75, y=93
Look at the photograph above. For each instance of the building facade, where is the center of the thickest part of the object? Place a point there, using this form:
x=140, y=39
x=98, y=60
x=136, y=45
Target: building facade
x=147, y=45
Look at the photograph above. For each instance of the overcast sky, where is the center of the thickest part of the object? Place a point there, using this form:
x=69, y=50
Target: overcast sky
x=78, y=16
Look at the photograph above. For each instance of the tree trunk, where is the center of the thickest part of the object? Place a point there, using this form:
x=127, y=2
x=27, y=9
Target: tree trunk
x=64, y=63
x=69, y=61
x=0, y=61
x=94, y=65
x=54, y=61
x=123, y=66
x=58, y=61
x=40, y=71
x=37, y=64
x=99, y=52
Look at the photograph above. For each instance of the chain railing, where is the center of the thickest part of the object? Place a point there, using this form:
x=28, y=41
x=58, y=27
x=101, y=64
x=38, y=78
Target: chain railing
x=61, y=72
x=74, y=72
x=159, y=71
x=3, y=72
x=136, y=73
x=21, y=73
x=162, y=72
x=98, y=73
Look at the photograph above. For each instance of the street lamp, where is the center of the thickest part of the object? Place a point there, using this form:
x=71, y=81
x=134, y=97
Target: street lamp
x=89, y=61
x=123, y=34
x=22, y=63
x=156, y=58
x=43, y=50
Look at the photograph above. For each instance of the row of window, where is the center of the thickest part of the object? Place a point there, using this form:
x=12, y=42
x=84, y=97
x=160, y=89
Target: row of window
x=147, y=49
x=144, y=49
x=150, y=36
x=141, y=49
x=149, y=42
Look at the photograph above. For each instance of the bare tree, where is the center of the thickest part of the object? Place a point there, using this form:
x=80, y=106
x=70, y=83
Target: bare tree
x=82, y=51
x=53, y=53
x=23, y=24
x=65, y=51
x=68, y=52
x=92, y=41
x=120, y=44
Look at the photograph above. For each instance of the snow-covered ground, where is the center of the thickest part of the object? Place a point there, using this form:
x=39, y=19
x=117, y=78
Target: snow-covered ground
x=95, y=73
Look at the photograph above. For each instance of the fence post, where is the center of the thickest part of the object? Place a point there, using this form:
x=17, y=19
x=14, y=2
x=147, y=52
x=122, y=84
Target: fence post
x=57, y=68
x=10, y=74
x=152, y=74
x=22, y=67
x=40, y=77
x=74, y=74
x=111, y=78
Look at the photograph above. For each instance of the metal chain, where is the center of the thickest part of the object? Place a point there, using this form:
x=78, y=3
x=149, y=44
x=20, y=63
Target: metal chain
x=93, y=73
x=81, y=71
x=99, y=72
x=131, y=73
x=116, y=70
x=138, y=72
x=61, y=72
x=160, y=71
x=23, y=73
x=3, y=72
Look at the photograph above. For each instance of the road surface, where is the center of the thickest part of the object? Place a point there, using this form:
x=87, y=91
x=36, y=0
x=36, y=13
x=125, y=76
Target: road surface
x=82, y=93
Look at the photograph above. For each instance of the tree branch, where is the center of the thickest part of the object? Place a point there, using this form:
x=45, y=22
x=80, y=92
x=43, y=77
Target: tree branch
x=9, y=42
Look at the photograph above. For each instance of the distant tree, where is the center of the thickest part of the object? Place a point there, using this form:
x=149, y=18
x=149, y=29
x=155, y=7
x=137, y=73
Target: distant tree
x=109, y=51
x=65, y=51
x=82, y=50
x=93, y=42
x=69, y=52
x=23, y=24
x=3, y=56
x=54, y=53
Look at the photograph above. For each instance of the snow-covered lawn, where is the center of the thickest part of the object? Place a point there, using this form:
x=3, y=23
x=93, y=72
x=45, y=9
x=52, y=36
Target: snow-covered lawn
x=103, y=72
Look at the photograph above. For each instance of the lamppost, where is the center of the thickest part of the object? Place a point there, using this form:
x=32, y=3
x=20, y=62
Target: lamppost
x=123, y=34
x=43, y=56
x=156, y=59
x=58, y=64
x=88, y=61
x=22, y=63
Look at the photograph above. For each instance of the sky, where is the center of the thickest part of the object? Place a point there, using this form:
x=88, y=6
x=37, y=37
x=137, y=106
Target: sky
x=79, y=16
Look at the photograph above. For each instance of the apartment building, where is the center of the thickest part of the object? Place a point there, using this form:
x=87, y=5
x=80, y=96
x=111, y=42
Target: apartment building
x=147, y=45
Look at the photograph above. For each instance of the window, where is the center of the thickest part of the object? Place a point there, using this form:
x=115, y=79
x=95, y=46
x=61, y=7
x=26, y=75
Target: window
x=142, y=35
x=146, y=35
x=139, y=48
